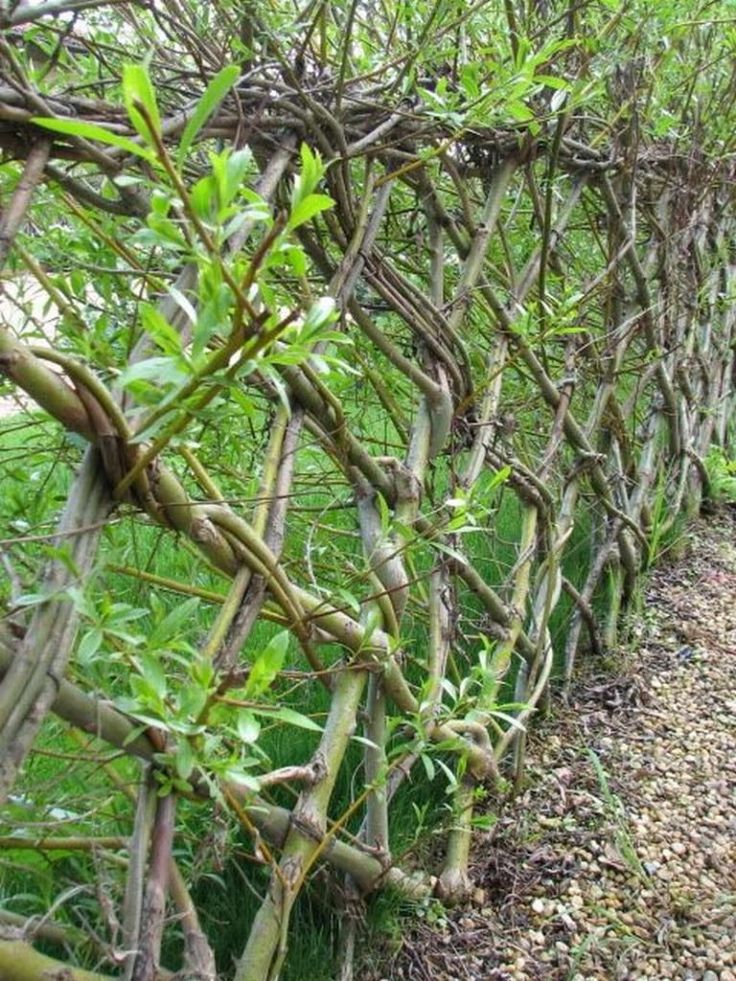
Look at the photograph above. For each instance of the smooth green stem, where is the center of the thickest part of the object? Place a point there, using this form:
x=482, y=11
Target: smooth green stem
x=454, y=882
x=20, y=962
x=376, y=767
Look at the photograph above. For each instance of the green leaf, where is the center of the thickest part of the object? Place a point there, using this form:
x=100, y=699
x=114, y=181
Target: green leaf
x=519, y=111
x=384, y=512
x=308, y=207
x=552, y=81
x=514, y=723
x=240, y=776
x=31, y=599
x=451, y=778
x=296, y=258
x=176, y=621
x=160, y=329
x=138, y=91
x=121, y=703
x=236, y=168
x=89, y=131
x=184, y=759
x=153, y=672
x=267, y=665
x=484, y=821
x=185, y=728
x=202, y=672
x=453, y=553
x=248, y=726
x=162, y=232
x=290, y=716
x=311, y=174
x=321, y=313
x=365, y=742
x=312, y=167
x=191, y=701
x=351, y=601
x=225, y=168
x=211, y=99
x=428, y=765
x=164, y=371
x=373, y=621
x=246, y=405
x=203, y=197
x=88, y=647
x=131, y=707
x=213, y=315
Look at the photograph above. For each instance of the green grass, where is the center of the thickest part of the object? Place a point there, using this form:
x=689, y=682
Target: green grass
x=230, y=897
x=227, y=883
x=722, y=474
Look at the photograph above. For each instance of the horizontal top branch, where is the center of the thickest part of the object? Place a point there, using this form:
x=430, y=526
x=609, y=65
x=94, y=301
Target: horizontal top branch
x=401, y=134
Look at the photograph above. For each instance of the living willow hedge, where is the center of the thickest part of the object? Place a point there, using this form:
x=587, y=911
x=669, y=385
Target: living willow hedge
x=396, y=335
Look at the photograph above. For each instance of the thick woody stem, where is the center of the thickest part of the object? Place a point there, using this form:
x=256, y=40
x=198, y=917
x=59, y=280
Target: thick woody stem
x=154, y=900
x=133, y=906
x=12, y=217
x=32, y=681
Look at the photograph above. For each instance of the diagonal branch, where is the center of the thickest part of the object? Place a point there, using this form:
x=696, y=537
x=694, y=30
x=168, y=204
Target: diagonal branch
x=32, y=682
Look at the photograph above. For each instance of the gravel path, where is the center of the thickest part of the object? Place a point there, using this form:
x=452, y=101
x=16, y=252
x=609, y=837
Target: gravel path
x=619, y=860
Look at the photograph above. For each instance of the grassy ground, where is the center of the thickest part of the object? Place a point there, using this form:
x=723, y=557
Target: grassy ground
x=227, y=883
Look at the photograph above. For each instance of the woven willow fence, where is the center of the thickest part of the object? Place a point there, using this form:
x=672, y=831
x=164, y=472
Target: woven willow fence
x=416, y=364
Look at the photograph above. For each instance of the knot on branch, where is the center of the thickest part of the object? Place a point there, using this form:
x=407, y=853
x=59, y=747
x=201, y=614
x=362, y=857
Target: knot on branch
x=318, y=767
x=307, y=819
x=587, y=460
x=291, y=871
x=407, y=486
x=493, y=629
x=204, y=532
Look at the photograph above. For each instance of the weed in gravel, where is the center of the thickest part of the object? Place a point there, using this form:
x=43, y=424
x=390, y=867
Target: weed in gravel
x=616, y=812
